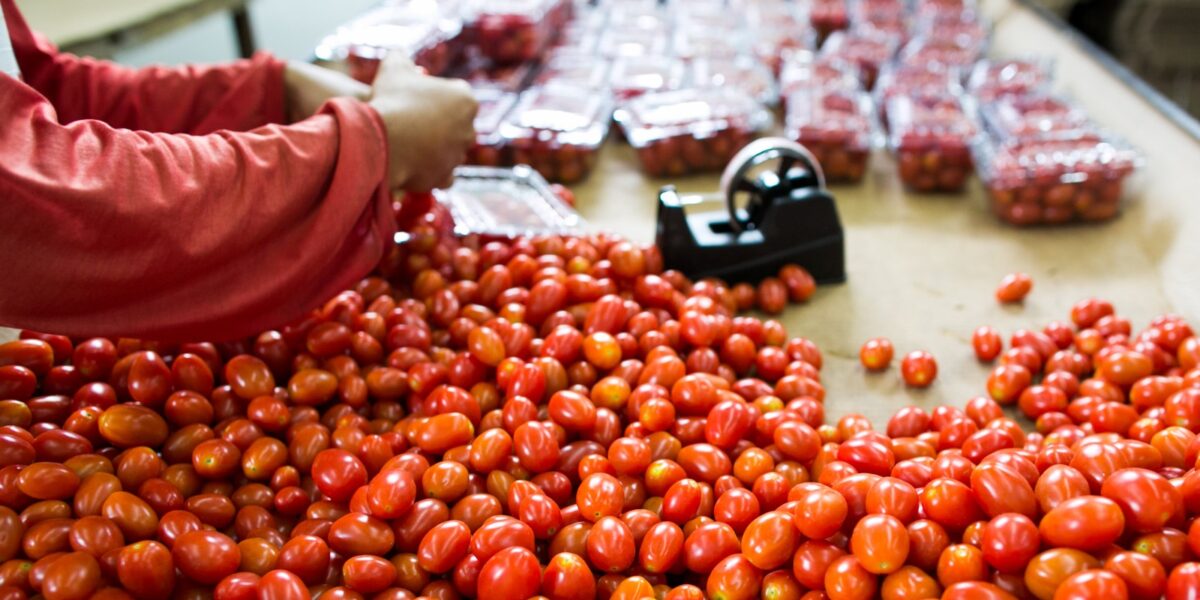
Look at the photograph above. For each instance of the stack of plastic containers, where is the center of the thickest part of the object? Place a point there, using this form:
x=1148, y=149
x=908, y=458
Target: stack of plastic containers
x=866, y=49
x=691, y=130
x=1044, y=162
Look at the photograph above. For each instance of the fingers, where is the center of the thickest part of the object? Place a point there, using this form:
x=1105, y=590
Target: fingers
x=395, y=69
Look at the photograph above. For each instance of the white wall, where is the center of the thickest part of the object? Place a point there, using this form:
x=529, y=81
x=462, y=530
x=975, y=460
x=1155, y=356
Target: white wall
x=289, y=28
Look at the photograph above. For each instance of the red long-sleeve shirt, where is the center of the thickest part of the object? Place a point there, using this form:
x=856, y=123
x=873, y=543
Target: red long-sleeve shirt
x=172, y=203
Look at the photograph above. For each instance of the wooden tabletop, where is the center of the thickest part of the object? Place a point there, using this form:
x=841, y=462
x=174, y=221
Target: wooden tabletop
x=922, y=269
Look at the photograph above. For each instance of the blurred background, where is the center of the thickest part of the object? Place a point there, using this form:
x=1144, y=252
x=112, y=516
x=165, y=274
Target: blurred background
x=1157, y=39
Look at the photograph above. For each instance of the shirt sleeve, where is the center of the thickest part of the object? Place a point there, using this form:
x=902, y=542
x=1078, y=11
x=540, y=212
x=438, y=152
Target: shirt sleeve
x=240, y=95
x=107, y=231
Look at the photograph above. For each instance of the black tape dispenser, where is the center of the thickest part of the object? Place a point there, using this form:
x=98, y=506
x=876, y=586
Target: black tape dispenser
x=777, y=211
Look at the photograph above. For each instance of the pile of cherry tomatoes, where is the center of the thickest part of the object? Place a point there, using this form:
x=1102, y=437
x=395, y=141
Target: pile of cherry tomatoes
x=559, y=418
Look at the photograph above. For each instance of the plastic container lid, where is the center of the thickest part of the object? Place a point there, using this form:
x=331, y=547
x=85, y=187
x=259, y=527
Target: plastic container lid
x=868, y=50
x=573, y=67
x=945, y=50
x=743, y=73
x=407, y=28
x=694, y=112
x=507, y=202
x=803, y=69
x=522, y=10
x=494, y=105
x=618, y=42
x=563, y=114
x=943, y=121
x=632, y=76
x=1073, y=158
x=991, y=79
x=1033, y=116
x=919, y=80
x=831, y=117
x=702, y=40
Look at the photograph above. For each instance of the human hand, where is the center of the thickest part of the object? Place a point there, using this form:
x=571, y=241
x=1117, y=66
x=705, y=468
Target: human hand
x=309, y=86
x=430, y=124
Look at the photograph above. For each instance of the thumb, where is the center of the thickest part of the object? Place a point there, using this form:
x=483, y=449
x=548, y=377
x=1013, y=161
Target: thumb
x=396, y=68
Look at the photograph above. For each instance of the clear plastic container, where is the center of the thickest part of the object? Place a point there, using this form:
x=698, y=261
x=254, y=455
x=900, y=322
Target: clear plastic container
x=771, y=42
x=431, y=39
x=513, y=31
x=1032, y=116
x=744, y=73
x=692, y=130
x=483, y=73
x=557, y=129
x=828, y=16
x=945, y=10
x=702, y=40
x=930, y=80
x=838, y=127
x=992, y=79
x=490, y=148
x=968, y=33
x=866, y=50
x=632, y=76
x=931, y=139
x=942, y=50
x=1076, y=176
x=574, y=68
x=512, y=202
x=626, y=41
x=877, y=11
x=803, y=69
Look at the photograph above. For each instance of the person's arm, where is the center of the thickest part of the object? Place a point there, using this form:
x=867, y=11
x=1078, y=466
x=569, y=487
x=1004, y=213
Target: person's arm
x=106, y=231
x=238, y=96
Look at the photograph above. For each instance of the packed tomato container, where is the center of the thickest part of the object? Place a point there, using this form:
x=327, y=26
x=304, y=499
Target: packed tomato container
x=867, y=50
x=692, y=130
x=931, y=138
x=741, y=73
x=1044, y=162
x=993, y=79
x=632, y=76
x=837, y=126
x=513, y=31
x=431, y=38
x=1055, y=179
x=489, y=149
x=557, y=130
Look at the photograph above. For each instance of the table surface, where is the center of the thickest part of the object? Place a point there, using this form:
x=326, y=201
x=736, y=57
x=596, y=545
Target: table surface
x=922, y=269
x=68, y=22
